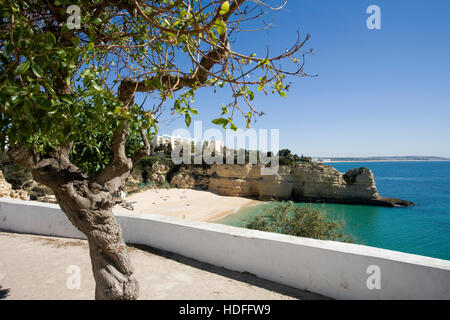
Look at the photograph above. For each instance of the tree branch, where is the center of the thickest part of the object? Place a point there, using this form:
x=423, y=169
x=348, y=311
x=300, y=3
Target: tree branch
x=23, y=157
x=200, y=75
x=145, y=151
x=120, y=163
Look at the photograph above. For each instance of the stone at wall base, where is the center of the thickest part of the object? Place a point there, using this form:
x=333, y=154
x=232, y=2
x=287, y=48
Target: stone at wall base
x=47, y=199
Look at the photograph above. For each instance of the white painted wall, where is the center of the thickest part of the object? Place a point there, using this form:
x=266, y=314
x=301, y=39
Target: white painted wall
x=333, y=269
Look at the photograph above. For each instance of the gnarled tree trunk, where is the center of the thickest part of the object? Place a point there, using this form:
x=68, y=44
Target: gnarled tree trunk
x=111, y=265
x=88, y=205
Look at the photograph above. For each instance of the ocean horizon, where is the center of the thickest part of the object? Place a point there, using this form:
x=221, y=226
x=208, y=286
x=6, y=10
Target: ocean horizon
x=423, y=229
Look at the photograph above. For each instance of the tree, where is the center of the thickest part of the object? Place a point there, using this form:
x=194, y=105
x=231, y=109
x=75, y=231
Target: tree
x=287, y=158
x=306, y=222
x=68, y=93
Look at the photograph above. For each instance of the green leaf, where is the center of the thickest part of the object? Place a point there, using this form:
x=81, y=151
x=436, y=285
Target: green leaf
x=282, y=93
x=66, y=98
x=188, y=119
x=225, y=7
x=251, y=95
x=30, y=117
x=224, y=109
x=90, y=92
x=95, y=85
x=76, y=41
x=96, y=21
x=264, y=62
x=220, y=26
x=21, y=68
x=68, y=81
x=48, y=39
x=146, y=124
x=16, y=99
x=220, y=121
x=12, y=90
x=37, y=70
x=193, y=111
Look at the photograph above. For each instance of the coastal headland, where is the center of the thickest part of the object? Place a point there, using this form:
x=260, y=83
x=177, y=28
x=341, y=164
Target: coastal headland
x=208, y=193
x=306, y=182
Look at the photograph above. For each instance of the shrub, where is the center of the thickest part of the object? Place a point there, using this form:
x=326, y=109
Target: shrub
x=306, y=222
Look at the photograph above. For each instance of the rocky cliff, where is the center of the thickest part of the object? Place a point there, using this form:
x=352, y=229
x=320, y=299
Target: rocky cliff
x=309, y=182
x=5, y=187
x=7, y=191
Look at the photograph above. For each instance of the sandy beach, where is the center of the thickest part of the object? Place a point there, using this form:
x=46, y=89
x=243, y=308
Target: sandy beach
x=196, y=205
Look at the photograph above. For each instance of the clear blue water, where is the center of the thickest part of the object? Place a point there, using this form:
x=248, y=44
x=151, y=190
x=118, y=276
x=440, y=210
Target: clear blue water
x=423, y=229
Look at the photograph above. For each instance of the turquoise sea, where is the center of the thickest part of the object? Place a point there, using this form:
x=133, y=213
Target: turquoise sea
x=423, y=229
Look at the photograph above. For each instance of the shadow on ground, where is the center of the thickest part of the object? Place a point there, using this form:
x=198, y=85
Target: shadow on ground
x=4, y=292
x=239, y=276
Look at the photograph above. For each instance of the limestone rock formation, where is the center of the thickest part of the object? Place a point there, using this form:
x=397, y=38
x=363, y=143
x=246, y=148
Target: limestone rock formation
x=7, y=191
x=158, y=178
x=158, y=173
x=200, y=174
x=131, y=184
x=5, y=187
x=136, y=175
x=303, y=182
x=19, y=194
x=183, y=181
x=159, y=168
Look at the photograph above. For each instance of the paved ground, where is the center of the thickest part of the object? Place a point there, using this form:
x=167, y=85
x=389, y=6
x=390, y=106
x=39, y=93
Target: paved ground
x=37, y=267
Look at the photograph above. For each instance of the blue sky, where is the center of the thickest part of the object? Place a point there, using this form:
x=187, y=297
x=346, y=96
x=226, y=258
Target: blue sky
x=378, y=93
